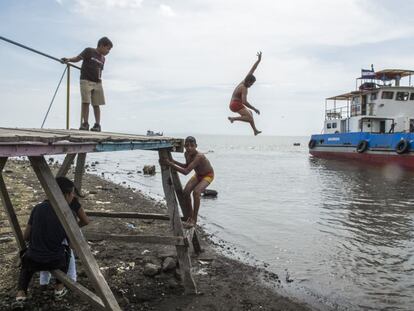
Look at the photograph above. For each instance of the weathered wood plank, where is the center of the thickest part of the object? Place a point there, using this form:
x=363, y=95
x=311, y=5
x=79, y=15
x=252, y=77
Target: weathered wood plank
x=127, y=215
x=79, y=170
x=152, y=239
x=67, y=162
x=82, y=291
x=185, y=209
x=8, y=207
x=52, y=136
x=79, y=243
x=182, y=251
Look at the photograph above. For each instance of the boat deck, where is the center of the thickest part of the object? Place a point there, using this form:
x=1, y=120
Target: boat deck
x=37, y=142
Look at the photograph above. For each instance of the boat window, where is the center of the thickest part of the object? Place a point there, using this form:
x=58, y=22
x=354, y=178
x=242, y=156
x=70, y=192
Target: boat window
x=328, y=125
x=402, y=96
x=334, y=125
x=355, y=100
x=374, y=96
x=412, y=96
x=387, y=95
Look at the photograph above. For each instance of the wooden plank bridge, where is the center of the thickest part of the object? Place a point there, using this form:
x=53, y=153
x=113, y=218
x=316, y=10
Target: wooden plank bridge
x=36, y=143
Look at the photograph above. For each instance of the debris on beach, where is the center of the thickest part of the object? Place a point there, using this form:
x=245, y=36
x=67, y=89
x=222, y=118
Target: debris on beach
x=149, y=170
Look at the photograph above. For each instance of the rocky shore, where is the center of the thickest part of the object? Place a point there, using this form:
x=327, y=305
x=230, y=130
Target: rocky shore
x=142, y=276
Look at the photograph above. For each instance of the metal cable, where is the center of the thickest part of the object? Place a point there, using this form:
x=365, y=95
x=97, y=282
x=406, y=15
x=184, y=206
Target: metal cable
x=54, y=95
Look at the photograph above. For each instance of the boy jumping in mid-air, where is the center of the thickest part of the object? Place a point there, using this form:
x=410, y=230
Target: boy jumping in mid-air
x=203, y=177
x=239, y=101
x=90, y=81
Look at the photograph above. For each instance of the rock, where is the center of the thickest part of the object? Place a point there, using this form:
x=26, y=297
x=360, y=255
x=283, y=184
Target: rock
x=149, y=170
x=169, y=264
x=151, y=269
x=172, y=283
x=93, y=192
x=152, y=259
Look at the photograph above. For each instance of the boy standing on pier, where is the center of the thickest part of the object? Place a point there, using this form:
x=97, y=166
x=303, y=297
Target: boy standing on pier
x=90, y=81
x=239, y=101
x=203, y=177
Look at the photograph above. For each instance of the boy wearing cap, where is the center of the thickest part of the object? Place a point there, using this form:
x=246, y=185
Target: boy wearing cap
x=203, y=177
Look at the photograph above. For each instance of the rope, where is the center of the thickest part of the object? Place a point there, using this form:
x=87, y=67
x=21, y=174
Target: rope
x=54, y=95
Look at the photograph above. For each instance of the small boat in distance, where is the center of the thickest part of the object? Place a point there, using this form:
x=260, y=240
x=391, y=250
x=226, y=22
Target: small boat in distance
x=152, y=133
x=375, y=125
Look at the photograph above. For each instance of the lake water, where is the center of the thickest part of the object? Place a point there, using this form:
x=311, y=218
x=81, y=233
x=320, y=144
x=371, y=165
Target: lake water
x=343, y=231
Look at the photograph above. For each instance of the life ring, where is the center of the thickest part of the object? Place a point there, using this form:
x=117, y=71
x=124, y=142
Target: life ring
x=402, y=146
x=362, y=146
x=312, y=144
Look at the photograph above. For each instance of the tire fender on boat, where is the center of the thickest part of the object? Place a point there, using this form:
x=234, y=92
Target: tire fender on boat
x=362, y=146
x=312, y=144
x=402, y=146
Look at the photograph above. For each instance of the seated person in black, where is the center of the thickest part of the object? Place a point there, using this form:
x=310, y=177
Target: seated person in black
x=45, y=235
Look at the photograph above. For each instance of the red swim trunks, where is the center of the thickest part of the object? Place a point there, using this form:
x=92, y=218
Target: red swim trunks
x=236, y=105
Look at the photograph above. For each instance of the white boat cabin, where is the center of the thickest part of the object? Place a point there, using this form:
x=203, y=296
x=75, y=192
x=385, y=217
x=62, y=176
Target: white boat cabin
x=379, y=105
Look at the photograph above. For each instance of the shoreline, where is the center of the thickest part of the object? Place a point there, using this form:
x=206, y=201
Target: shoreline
x=224, y=283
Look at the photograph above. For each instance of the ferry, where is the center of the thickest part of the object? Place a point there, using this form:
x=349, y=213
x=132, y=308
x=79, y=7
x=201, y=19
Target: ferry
x=374, y=123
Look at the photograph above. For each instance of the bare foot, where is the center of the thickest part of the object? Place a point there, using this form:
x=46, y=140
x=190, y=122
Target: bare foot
x=230, y=119
x=257, y=133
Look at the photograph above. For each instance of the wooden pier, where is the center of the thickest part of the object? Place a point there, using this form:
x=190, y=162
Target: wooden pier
x=36, y=143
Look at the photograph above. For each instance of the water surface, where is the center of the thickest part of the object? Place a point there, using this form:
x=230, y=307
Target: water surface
x=343, y=231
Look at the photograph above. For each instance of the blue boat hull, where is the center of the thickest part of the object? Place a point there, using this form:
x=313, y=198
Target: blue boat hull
x=395, y=148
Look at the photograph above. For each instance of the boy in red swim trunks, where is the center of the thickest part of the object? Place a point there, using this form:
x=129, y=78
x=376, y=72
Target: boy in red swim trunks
x=203, y=177
x=239, y=101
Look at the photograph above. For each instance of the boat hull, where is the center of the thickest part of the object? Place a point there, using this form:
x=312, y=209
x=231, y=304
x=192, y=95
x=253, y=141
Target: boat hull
x=380, y=149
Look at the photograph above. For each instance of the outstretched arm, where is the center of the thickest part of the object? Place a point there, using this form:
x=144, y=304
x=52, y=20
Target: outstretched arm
x=259, y=58
x=71, y=60
x=184, y=170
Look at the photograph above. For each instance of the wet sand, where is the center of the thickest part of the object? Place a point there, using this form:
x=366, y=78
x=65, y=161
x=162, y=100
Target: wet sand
x=223, y=283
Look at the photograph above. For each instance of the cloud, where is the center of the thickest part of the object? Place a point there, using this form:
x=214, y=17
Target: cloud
x=175, y=56
x=166, y=10
x=89, y=6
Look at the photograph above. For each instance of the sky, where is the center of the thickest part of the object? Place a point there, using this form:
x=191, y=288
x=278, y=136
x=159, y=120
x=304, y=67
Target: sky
x=174, y=64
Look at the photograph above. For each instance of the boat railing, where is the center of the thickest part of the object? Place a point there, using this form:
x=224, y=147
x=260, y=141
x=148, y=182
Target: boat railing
x=336, y=113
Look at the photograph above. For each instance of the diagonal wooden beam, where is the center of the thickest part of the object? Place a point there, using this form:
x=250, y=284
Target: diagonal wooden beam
x=8, y=207
x=79, y=170
x=67, y=162
x=3, y=161
x=184, y=208
x=82, y=291
x=177, y=227
x=73, y=232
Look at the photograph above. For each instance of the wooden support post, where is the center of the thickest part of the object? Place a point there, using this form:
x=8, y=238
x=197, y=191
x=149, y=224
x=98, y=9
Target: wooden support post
x=72, y=229
x=79, y=289
x=8, y=207
x=67, y=162
x=184, y=208
x=79, y=170
x=182, y=251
